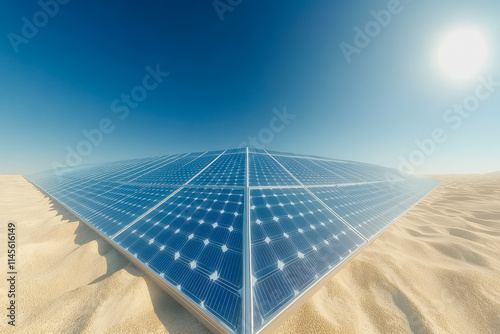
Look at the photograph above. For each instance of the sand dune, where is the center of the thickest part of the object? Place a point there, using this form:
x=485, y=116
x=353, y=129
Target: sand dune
x=436, y=270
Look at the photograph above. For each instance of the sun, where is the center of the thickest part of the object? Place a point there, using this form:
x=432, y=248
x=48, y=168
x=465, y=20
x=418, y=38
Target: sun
x=462, y=53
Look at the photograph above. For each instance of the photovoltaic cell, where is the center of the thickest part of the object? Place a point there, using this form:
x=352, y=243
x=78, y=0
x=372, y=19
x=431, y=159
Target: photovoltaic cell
x=176, y=172
x=294, y=239
x=191, y=237
x=308, y=172
x=263, y=170
x=194, y=221
x=228, y=170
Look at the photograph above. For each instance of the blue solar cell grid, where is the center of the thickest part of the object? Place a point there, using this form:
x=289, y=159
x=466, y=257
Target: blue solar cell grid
x=263, y=170
x=228, y=170
x=193, y=240
x=184, y=218
x=295, y=240
x=176, y=172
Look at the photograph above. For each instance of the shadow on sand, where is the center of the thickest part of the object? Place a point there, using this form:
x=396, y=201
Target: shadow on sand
x=171, y=314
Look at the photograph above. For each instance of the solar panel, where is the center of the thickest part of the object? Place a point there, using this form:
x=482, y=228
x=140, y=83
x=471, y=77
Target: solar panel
x=236, y=236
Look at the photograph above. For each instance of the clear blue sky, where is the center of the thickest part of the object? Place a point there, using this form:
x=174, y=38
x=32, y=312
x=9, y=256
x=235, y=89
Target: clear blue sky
x=227, y=76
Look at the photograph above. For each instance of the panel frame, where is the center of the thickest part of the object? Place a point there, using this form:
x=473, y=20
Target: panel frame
x=247, y=290
x=273, y=323
x=282, y=315
x=247, y=323
x=202, y=315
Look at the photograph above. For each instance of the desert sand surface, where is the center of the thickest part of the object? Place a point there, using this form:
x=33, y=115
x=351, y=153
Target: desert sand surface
x=436, y=270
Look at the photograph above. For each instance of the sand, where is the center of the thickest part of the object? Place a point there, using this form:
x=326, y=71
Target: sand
x=436, y=270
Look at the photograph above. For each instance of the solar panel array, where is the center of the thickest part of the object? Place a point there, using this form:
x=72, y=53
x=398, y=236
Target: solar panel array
x=236, y=235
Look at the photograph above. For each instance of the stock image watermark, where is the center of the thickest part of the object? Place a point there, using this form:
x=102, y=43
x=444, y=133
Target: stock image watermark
x=453, y=117
x=265, y=136
x=11, y=272
x=224, y=6
x=364, y=35
x=121, y=107
x=31, y=26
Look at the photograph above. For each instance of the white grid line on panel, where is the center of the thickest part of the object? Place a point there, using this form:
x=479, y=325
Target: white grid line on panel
x=310, y=158
x=168, y=162
x=320, y=201
x=165, y=199
x=139, y=166
x=183, y=185
x=247, y=291
x=165, y=285
x=117, y=172
x=320, y=185
x=164, y=163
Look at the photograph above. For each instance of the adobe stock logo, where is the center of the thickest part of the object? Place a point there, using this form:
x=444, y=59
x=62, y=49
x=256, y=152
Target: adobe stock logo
x=223, y=6
x=363, y=37
x=40, y=19
x=121, y=107
x=453, y=118
x=277, y=124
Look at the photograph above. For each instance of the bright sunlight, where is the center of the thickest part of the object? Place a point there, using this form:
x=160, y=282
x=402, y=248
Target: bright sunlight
x=462, y=53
